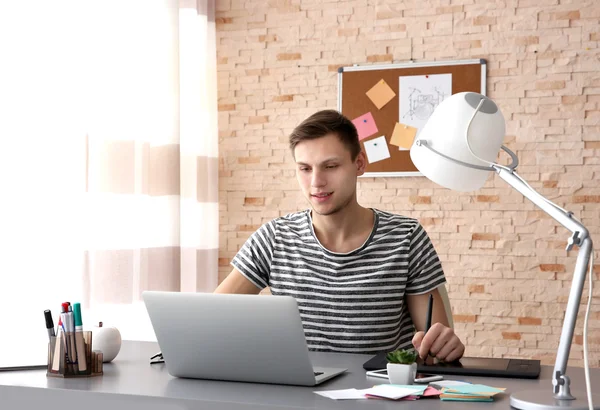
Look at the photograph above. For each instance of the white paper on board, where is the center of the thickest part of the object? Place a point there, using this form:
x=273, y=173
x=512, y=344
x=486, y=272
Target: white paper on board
x=420, y=95
x=377, y=149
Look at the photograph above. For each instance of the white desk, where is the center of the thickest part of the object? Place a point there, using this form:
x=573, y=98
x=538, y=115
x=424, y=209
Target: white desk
x=130, y=382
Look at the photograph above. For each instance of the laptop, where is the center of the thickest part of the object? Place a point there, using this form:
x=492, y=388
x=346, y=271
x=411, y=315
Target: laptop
x=244, y=338
x=39, y=361
x=471, y=366
x=29, y=353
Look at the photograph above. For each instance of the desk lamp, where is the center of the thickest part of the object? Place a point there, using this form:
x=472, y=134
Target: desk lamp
x=456, y=149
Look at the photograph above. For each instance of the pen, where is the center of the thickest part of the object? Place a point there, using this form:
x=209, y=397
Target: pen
x=429, y=313
x=49, y=323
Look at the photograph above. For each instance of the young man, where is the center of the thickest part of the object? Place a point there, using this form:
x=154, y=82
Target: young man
x=361, y=276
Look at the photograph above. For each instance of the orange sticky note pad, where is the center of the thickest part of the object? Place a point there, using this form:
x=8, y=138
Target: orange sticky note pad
x=381, y=94
x=403, y=135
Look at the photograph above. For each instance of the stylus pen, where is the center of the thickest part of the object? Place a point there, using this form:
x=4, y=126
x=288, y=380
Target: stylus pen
x=429, y=313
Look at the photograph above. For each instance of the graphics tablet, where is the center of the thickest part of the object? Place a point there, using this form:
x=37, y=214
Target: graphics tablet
x=471, y=366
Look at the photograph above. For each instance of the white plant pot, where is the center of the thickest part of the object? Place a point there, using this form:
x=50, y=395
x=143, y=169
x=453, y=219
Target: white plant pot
x=402, y=373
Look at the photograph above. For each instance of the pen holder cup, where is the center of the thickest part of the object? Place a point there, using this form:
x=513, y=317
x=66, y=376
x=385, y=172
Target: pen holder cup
x=70, y=355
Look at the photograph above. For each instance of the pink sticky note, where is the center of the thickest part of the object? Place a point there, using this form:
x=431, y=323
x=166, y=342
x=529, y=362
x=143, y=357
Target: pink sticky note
x=430, y=391
x=365, y=125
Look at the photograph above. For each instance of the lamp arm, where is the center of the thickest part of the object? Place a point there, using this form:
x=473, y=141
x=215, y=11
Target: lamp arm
x=564, y=218
x=580, y=238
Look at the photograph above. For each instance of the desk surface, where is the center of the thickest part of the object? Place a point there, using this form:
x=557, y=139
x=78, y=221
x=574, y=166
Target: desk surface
x=131, y=382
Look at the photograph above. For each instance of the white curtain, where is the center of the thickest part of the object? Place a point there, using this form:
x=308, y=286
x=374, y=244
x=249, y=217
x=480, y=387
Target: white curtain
x=108, y=158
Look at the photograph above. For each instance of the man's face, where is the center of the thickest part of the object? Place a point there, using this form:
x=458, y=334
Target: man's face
x=327, y=174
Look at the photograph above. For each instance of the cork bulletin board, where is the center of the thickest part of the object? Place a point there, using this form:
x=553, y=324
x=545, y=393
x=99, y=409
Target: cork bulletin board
x=389, y=103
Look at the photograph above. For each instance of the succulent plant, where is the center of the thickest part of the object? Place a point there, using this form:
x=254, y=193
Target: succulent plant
x=402, y=356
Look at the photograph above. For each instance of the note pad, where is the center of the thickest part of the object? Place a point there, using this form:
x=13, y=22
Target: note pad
x=466, y=399
x=381, y=94
x=403, y=136
x=365, y=126
x=470, y=392
x=474, y=389
x=377, y=149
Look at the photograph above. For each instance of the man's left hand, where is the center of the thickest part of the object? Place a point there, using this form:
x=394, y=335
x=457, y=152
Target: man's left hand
x=440, y=342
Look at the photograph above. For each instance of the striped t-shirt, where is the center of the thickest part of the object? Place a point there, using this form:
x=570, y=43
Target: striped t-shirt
x=349, y=302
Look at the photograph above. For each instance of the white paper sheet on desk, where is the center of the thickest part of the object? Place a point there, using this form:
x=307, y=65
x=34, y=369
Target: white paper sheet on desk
x=395, y=392
x=343, y=394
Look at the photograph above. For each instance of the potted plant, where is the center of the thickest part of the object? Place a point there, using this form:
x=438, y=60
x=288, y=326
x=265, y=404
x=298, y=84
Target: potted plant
x=402, y=366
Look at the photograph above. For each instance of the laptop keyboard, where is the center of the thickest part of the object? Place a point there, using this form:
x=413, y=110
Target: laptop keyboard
x=318, y=373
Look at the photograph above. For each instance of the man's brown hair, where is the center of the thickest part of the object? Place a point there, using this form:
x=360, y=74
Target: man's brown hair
x=326, y=122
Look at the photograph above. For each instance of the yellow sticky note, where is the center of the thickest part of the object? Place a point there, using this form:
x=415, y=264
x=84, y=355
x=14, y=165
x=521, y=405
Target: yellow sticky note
x=403, y=136
x=381, y=94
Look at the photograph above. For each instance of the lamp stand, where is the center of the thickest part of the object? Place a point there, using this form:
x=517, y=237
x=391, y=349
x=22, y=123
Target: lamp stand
x=562, y=396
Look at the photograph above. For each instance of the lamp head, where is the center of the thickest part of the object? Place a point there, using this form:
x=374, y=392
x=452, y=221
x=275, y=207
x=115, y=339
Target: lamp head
x=447, y=130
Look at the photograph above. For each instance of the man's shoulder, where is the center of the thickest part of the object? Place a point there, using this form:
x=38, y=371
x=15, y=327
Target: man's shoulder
x=391, y=220
x=291, y=222
x=293, y=218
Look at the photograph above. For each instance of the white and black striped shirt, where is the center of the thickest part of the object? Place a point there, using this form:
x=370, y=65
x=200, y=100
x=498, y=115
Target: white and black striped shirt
x=349, y=302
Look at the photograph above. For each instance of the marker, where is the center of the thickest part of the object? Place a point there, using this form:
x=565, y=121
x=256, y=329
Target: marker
x=66, y=329
x=79, y=342
x=62, y=321
x=49, y=324
x=77, y=317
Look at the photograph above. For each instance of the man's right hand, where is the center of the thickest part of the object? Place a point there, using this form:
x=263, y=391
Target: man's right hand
x=440, y=342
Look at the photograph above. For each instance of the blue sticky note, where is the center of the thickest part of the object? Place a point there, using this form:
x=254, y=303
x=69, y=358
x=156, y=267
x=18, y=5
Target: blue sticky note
x=415, y=388
x=482, y=398
x=473, y=389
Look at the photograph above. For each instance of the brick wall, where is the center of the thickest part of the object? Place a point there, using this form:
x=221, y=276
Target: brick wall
x=508, y=273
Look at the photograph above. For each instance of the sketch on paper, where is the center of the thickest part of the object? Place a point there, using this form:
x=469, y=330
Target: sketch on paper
x=420, y=95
